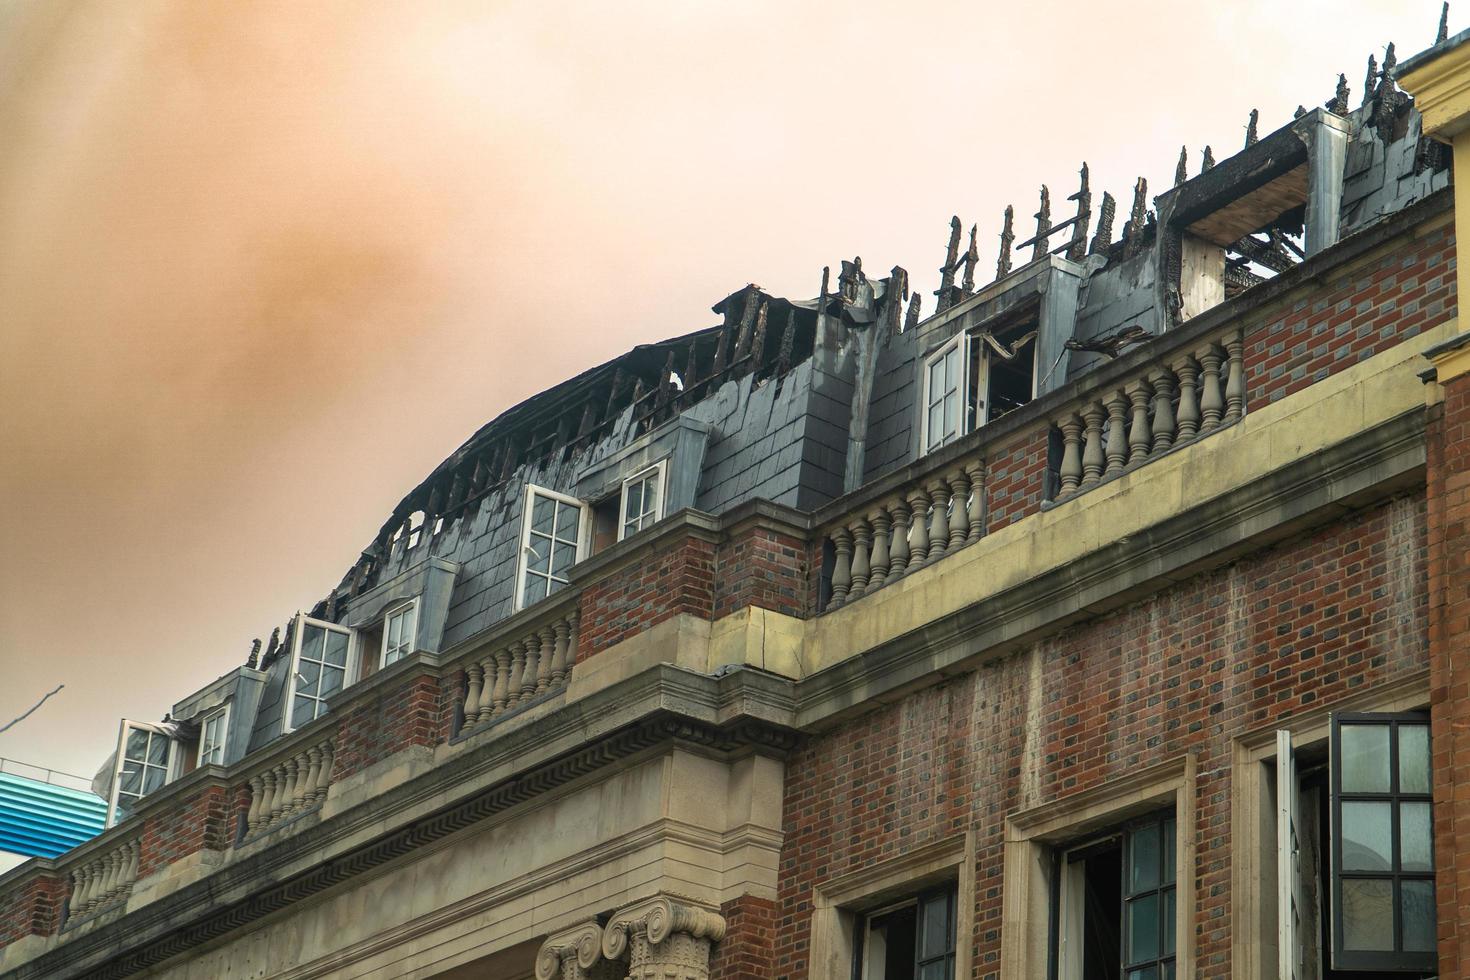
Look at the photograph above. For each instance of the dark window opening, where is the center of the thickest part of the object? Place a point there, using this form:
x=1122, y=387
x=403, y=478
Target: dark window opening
x=911, y=940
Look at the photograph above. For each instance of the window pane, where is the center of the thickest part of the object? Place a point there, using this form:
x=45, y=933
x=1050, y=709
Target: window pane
x=538, y=557
x=542, y=511
x=1143, y=929
x=567, y=518
x=650, y=493
x=302, y=711
x=535, y=590
x=934, y=927
x=935, y=971
x=158, y=750
x=936, y=381
x=337, y=648
x=308, y=672
x=936, y=424
x=1367, y=836
x=131, y=780
x=565, y=558
x=332, y=678
x=152, y=778
x=1413, y=758
x=633, y=504
x=951, y=413
x=1367, y=914
x=311, y=642
x=1143, y=859
x=1364, y=758
x=1170, y=829
x=137, y=744
x=1169, y=971
x=1147, y=973
x=1169, y=922
x=1416, y=837
x=1417, y=905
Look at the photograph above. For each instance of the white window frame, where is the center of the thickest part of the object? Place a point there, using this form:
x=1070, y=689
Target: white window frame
x=584, y=528
x=411, y=609
x=223, y=714
x=170, y=767
x=960, y=343
x=659, y=469
x=350, y=669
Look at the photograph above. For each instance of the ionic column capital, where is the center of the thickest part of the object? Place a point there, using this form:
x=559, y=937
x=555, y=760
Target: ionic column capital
x=665, y=929
x=569, y=954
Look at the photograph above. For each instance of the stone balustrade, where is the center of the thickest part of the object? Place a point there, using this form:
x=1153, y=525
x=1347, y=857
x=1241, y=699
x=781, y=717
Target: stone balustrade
x=292, y=786
x=907, y=530
x=1177, y=400
x=104, y=881
x=538, y=662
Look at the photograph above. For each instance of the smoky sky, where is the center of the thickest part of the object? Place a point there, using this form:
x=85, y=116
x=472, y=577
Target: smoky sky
x=264, y=265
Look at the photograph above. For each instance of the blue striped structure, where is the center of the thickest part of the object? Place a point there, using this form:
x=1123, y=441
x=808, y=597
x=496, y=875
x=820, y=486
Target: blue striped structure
x=40, y=819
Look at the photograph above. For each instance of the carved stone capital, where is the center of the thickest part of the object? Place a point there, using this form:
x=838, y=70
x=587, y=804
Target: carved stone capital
x=574, y=954
x=663, y=939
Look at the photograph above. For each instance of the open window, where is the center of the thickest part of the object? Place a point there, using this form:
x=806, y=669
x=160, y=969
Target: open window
x=977, y=377
x=399, y=631
x=212, y=733
x=1116, y=904
x=145, y=761
x=1355, y=851
x=554, y=536
x=321, y=655
x=913, y=939
x=641, y=502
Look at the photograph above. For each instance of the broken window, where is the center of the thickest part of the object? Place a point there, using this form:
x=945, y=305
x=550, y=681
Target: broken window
x=1355, y=852
x=642, y=500
x=212, y=732
x=976, y=378
x=319, y=669
x=552, y=540
x=398, y=633
x=144, y=763
x=1116, y=904
x=910, y=940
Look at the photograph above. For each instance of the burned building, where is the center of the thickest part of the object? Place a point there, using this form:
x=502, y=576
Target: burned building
x=1098, y=623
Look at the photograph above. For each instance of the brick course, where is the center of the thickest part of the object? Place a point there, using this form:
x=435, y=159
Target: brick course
x=33, y=910
x=198, y=822
x=399, y=717
x=745, y=952
x=677, y=578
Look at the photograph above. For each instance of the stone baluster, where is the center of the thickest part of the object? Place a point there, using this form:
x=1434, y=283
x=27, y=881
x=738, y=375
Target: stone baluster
x=1163, y=428
x=1187, y=372
x=474, y=683
x=80, y=879
x=547, y=636
x=879, y=561
x=289, y=785
x=841, y=567
x=573, y=622
x=252, y=816
x=1235, y=378
x=918, y=527
x=324, y=772
x=975, y=516
x=533, y=667
x=1071, y=468
x=1140, y=439
x=1211, y=399
x=1117, y=441
x=111, y=866
x=1092, y=448
x=938, y=519
x=501, y=693
x=277, y=777
x=898, y=552
x=267, y=799
x=517, y=675
x=130, y=866
x=560, y=633
x=861, y=569
x=959, y=499
x=664, y=939
x=313, y=775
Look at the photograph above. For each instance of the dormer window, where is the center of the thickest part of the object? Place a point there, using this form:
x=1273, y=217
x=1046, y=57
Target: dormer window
x=977, y=377
x=319, y=669
x=398, y=633
x=553, y=536
x=144, y=763
x=642, y=500
x=212, y=737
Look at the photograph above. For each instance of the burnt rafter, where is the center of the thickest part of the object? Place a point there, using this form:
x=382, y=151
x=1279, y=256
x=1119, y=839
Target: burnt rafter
x=1339, y=102
x=1007, y=237
x=1104, y=237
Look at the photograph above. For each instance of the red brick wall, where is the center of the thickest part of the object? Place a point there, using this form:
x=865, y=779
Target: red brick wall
x=745, y=952
x=759, y=567
x=1014, y=479
x=34, y=910
x=194, y=823
x=677, y=578
x=1187, y=670
x=402, y=716
x=1448, y=472
x=1357, y=315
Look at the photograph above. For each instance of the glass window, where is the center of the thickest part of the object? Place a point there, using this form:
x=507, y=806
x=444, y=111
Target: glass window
x=643, y=502
x=398, y=633
x=944, y=394
x=143, y=762
x=910, y=940
x=1383, y=848
x=319, y=669
x=212, y=738
x=550, y=545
